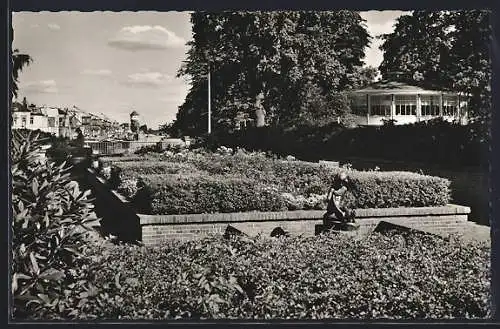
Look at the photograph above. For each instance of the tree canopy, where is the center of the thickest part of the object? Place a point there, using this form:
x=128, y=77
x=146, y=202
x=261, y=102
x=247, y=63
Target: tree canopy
x=447, y=50
x=276, y=56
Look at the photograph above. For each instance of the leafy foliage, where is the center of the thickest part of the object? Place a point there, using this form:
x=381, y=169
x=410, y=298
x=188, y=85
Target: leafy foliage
x=323, y=277
x=49, y=230
x=269, y=54
x=19, y=61
x=192, y=182
x=432, y=142
x=446, y=49
x=213, y=194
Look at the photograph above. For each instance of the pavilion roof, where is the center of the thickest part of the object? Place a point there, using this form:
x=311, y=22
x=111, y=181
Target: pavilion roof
x=395, y=87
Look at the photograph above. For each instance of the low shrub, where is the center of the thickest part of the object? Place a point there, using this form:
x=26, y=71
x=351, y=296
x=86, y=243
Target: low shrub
x=435, y=142
x=314, y=201
x=178, y=194
x=298, y=180
x=128, y=187
x=147, y=149
x=325, y=277
x=134, y=169
x=125, y=158
x=378, y=189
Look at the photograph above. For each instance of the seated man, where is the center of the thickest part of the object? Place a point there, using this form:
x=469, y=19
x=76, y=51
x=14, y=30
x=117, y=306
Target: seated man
x=335, y=210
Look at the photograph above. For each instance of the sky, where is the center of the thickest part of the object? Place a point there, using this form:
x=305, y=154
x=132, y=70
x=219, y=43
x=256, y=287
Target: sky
x=118, y=62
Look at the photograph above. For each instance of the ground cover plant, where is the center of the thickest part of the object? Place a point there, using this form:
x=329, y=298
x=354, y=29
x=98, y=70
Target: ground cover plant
x=176, y=183
x=324, y=277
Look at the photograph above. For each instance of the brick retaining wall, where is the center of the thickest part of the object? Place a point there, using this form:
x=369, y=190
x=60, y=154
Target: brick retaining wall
x=152, y=229
x=439, y=220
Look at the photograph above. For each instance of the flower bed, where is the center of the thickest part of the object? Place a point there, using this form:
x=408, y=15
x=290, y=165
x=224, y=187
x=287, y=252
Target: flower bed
x=324, y=277
x=180, y=183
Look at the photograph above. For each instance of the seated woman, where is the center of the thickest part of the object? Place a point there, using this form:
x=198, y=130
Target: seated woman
x=336, y=211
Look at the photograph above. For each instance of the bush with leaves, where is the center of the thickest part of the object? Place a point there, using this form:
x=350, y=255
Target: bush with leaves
x=133, y=169
x=329, y=276
x=213, y=194
x=147, y=149
x=49, y=231
x=300, y=184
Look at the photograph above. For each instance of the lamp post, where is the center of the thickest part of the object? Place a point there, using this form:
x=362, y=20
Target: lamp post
x=209, y=103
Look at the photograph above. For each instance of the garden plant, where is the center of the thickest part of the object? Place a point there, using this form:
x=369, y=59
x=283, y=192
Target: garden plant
x=198, y=181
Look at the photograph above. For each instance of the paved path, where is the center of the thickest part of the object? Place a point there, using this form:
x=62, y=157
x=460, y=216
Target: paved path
x=475, y=232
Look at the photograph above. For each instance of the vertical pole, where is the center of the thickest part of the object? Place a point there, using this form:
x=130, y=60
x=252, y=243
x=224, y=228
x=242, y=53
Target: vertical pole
x=441, y=105
x=209, y=103
x=393, y=107
x=368, y=106
x=419, y=107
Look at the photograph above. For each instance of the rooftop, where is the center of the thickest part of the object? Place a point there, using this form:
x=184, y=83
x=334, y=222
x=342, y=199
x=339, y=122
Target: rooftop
x=388, y=86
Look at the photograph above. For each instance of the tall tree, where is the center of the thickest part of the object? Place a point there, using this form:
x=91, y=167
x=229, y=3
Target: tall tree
x=418, y=49
x=274, y=54
x=469, y=62
x=447, y=49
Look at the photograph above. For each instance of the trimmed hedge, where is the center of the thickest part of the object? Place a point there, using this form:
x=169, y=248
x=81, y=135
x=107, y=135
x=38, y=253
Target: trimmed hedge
x=325, y=277
x=196, y=193
x=397, y=189
x=206, y=183
x=433, y=142
x=212, y=194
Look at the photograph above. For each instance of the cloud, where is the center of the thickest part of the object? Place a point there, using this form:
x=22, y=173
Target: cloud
x=43, y=86
x=53, y=26
x=146, y=37
x=152, y=79
x=100, y=72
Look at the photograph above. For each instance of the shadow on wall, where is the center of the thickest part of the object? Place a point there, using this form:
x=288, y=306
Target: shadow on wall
x=117, y=218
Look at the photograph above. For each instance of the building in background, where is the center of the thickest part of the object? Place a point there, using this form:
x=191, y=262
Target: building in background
x=52, y=114
x=22, y=119
x=404, y=104
x=65, y=122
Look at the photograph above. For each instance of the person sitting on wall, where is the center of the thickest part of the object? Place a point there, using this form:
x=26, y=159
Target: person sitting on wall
x=336, y=212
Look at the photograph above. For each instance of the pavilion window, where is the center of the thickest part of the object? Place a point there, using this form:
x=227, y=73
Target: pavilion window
x=449, y=105
x=406, y=105
x=381, y=105
x=359, y=105
x=430, y=105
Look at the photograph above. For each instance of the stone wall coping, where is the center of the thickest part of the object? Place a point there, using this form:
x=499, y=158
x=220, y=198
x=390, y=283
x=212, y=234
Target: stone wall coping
x=255, y=216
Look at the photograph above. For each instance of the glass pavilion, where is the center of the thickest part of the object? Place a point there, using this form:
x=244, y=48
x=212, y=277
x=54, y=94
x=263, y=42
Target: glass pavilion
x=404, y=104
